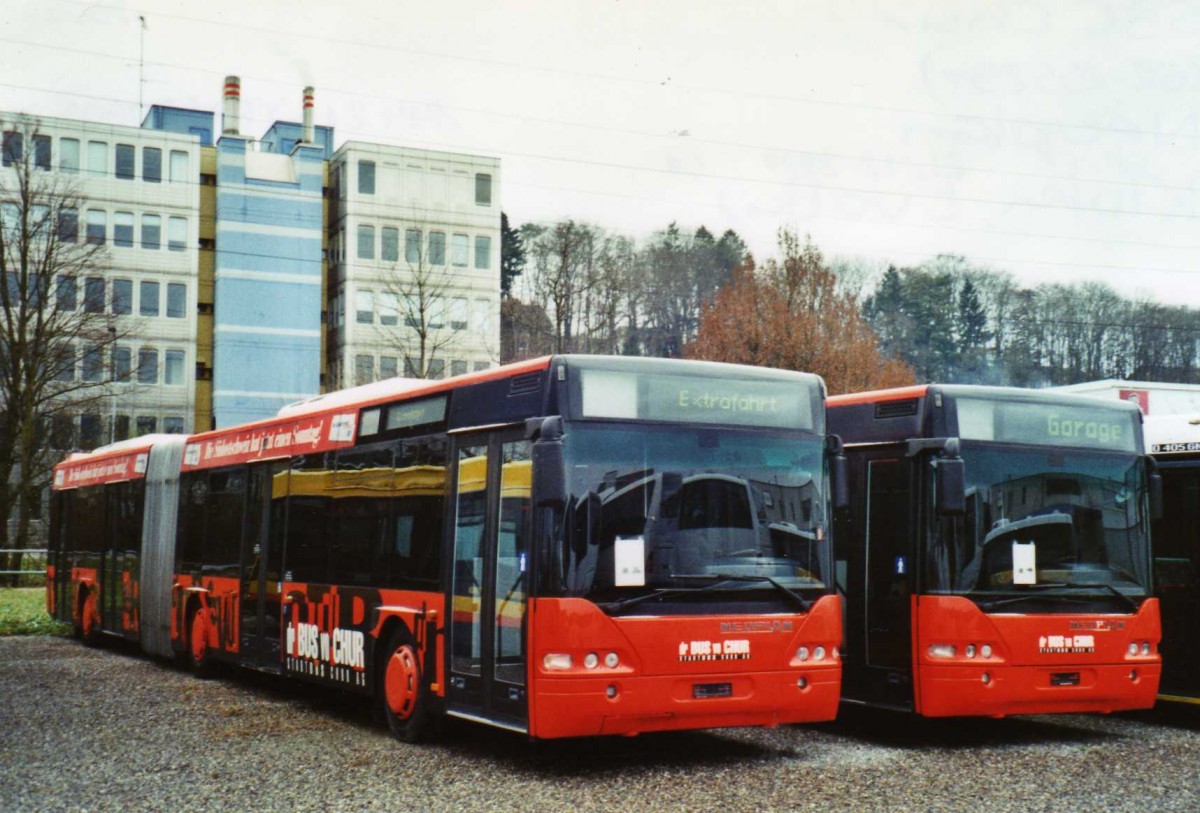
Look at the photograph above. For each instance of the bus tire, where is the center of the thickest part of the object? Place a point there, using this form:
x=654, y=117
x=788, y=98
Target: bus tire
x=402, y=692
x=198, y=653
x=89, y=620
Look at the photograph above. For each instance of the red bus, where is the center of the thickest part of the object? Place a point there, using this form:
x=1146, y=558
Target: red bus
x=996, y=556
x=1174, y=443
x=562, y=547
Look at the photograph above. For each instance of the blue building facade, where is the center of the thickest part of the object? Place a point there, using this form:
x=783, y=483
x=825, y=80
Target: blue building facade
x=267, y=279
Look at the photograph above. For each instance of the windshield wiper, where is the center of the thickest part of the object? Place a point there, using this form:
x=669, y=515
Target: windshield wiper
x=1036, y=588
x=719, y=578
x=617, y=607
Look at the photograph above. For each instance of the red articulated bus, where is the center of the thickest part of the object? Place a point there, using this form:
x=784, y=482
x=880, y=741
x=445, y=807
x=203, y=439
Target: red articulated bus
x=562, y=547
x=996, y=557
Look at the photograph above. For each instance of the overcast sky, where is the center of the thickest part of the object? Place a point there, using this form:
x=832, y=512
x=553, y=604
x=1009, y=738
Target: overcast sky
x=1058, y=141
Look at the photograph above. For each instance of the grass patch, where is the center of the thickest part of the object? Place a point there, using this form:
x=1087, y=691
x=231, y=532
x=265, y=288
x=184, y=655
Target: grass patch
x=23, y=612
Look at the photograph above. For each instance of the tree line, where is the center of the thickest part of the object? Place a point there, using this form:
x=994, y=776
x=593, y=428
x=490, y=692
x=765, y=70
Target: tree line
x=954, y=322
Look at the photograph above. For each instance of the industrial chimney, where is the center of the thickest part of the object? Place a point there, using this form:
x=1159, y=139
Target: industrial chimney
x=230, y=111
x=308, y=136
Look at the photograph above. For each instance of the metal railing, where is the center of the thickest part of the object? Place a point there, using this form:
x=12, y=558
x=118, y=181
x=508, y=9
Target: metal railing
x=28, y=553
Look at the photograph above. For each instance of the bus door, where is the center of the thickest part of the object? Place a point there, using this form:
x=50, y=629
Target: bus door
x=1177, y=576
x=260, y=629
x=112, y=558
x=489, y=578
x=888, y=579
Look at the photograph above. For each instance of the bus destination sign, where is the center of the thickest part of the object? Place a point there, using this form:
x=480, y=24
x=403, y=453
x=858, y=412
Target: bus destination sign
x=1044, y=424
x=696, y=399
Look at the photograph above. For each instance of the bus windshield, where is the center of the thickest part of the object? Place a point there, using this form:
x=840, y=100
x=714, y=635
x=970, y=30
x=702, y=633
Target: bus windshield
x=693, y=509
x=1052, y=522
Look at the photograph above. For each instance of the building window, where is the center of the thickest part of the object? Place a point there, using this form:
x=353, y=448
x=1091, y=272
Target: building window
x=173, y=368
x=125, y=161
x=68, y=225
x=366, y=242
x=483, y=252
x=68, y=155
x=147, y=425
x=93, y=295
x=460, y=248
x=389, y=248
x=483, y=317
x=152, y=165
x=98, y=157
x=481, y=365
x=147, y=372
x=437, y=368
x=483, y=189
x=389, y=310
x=68, y=292
x=437, y=248
x=387, y=367
x=436, y=315
x=364, y=370
x=458, y=313
x=179, y=166
x=121, y=429
x=151, y=232
x=366, y=177
x=97, y=226
x=458, y=368
x=148, y=298
x=41, y=152
x=122, y=363
x=89, y=431
x=173, y=425
x=122, y=297
x=93, y=364
x=123, y=229
x=412, y=246
x=176, y=300
x=66, y=363
x=410, y=368
x=177, y=233
x=364, y=308
x=14, y=147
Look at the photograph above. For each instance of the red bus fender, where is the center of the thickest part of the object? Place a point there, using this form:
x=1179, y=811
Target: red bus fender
x=420, y=622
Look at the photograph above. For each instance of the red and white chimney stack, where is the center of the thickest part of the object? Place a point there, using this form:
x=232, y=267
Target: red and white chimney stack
x=308, y=135
x=232, y=105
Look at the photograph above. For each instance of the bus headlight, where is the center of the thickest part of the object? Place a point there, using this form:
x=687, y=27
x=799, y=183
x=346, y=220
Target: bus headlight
x=802, y=653
x=557, y=662
x=611, y=660
x=819, y=653
x=1133, y=648
x=1145, y=647
x=942, y=651
x=985, y=651
x=591, y=661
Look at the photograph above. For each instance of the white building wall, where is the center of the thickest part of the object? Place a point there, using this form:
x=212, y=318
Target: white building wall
x=434, y=193
x=151, y=273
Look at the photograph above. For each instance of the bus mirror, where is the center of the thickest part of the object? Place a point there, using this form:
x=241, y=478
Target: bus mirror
x=839, y=473
x=549, y=476
x=950, y=474
x=1156, y=495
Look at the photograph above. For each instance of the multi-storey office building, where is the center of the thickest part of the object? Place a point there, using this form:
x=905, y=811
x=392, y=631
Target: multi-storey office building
x=248, y=274
x=140, y=201
x=414, y=263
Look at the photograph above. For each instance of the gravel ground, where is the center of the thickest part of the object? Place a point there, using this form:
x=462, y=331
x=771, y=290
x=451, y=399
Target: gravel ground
x=99, y=730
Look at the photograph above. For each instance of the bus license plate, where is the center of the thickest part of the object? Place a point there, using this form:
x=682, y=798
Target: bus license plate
x=1064, y=678
x=702, y=691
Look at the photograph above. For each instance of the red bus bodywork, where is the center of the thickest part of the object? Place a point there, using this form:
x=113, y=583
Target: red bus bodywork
x=959, y=659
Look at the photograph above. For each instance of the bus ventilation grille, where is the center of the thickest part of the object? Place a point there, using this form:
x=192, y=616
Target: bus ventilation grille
x=896, y=409
x=524, y=384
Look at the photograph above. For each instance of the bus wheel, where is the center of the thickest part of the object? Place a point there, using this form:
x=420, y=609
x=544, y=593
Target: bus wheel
x=401, y=691
x=89, y=622
x=199, y=656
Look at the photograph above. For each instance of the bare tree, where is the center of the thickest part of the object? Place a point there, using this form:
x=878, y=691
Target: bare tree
x=50, y=317
x=427, y=306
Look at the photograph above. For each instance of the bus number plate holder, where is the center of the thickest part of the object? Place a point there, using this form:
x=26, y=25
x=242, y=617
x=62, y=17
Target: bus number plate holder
x=704, y=691
x=1064, y=678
